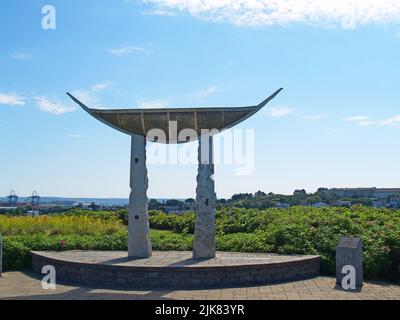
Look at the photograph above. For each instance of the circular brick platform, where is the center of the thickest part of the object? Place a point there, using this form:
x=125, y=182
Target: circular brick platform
x=173, y=269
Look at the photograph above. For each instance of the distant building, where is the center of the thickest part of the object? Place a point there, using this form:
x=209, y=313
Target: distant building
x=87, y=206
x=378, y=203
x=177, y=209
x=353, y=192
x=319, y=205
x=12, y=199
x=5, y=209
x=394, y=204
x=341, y=203
x=380, y=193
x=282, y=205
x=34, y=199
x=384, y=193
x=33, y=213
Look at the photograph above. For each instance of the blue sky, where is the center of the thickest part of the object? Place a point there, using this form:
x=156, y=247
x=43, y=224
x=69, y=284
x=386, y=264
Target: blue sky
x=336, y=124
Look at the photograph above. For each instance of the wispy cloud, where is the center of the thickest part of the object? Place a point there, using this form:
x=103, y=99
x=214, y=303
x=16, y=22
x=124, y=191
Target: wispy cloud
x=21, y=56
x=90, y=96
x=362, y=121
x=150, y=104
x=123, y=51
x=342, y=13
x=204, y=93
x=277, y=112
x=12, y=99
x=53, y=107
x=159, y=12
x=101, y=86
x=391, y=122
x=85, y=96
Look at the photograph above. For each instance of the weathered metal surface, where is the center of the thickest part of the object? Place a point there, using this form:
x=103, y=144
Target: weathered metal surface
x=142, y=121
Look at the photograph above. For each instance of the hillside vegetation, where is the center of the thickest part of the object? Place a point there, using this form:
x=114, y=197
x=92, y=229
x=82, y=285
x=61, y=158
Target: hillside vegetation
x=297, y=230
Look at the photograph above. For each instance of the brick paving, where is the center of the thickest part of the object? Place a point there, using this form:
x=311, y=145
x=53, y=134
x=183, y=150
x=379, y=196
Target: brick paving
x=27, y=285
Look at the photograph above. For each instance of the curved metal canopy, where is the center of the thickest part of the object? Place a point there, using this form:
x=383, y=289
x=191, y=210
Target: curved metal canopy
x=150, y=123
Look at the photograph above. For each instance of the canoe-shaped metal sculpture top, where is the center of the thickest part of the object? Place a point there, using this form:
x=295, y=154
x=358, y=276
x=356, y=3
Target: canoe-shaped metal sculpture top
x=147, y=122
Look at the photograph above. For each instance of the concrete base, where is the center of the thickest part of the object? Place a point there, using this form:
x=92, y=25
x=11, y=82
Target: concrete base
x=139, y=244
x=173, y=269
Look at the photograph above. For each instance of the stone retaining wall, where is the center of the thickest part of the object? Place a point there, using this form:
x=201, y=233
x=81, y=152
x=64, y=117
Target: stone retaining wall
x=103, y=275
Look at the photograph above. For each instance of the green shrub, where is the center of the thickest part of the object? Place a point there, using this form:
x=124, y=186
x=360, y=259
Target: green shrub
x=165, y=240
x=15, y=255
x=297, y=230
x=243, y=242
x=16, y=248
x=177, y=223
x=304, y=230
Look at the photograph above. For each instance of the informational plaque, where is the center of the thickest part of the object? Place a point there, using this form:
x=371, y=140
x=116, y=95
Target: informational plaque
x=346, y=242
x=349, y=256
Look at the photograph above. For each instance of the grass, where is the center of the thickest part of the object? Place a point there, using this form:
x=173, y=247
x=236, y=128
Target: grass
x=58, y=225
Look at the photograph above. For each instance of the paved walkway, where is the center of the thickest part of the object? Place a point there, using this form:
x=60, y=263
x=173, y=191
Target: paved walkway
x=170, y=258
x=27, y=285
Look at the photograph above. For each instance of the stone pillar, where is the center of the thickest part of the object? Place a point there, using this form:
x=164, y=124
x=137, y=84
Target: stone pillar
x=204, y=233
x=139, y=245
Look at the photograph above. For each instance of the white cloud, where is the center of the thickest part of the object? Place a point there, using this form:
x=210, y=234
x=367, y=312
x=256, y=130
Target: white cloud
x=394, y=121
x=152, y=104
x=85, y=96
x=21, y=56
x=101, y=86
x=362, y=121
x=343, y=13
x=159, y=12
x=277, y=112
x=89, y=97
x=12, y=99
x=123, y=51
x=53, y=107
x=204, y=93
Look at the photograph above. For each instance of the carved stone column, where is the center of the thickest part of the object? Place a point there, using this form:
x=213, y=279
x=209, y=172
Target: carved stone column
x=139, y=245
x=204, y=234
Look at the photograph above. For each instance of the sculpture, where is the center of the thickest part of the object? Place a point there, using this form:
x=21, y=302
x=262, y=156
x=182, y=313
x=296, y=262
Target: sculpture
x=163, y=126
